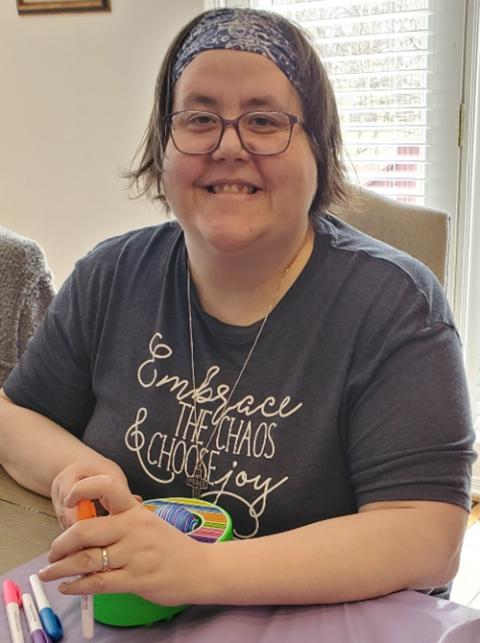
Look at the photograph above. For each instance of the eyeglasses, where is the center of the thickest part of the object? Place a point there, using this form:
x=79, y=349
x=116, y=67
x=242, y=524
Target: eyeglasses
x=265, y=133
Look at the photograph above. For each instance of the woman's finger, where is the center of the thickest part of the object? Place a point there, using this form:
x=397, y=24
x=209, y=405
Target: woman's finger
x=86, y=561
x=96, y=532
x=115, y=581
x=66, y=517
x=66, y=478
x=114, y=496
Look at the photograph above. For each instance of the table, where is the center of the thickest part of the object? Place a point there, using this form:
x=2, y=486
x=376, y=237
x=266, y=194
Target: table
x=27, y=525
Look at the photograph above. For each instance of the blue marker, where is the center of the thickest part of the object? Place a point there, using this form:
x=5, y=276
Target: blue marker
x=50, y=621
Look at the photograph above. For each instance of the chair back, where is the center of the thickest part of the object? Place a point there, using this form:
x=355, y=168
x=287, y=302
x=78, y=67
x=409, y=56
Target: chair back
x=421, y=232
x=26, y=290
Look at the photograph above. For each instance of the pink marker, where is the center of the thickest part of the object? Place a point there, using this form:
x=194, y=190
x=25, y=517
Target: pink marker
x=13, y=600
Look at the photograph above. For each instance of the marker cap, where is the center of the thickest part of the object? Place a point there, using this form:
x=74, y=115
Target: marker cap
x=11, y=592
x=51, y=623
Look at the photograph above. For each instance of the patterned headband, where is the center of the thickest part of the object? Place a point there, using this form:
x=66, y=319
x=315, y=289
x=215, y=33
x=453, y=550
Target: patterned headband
x=258, y=32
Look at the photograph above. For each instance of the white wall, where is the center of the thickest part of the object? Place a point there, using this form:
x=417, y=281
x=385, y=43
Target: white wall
x=76, y=91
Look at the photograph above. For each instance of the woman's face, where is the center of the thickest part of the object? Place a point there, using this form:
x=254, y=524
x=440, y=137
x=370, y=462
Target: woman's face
x=230, y=83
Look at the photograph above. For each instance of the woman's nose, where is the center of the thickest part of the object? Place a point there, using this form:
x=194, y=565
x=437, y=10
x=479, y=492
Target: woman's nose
x=230, y=145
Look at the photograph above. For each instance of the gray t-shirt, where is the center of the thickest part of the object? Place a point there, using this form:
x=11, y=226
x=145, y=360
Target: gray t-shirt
x=355, y=392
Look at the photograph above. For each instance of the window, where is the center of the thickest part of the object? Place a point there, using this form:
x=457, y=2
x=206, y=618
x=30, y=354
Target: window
x=391, y=62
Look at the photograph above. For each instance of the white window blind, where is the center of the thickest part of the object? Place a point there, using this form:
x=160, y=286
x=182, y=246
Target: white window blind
x=377, y=57
x=390, y=63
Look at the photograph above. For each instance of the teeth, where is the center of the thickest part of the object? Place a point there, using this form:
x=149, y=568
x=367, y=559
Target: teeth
x=233, y=189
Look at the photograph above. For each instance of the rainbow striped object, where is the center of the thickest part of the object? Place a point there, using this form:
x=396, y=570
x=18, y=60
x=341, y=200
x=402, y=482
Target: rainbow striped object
x=215, y=523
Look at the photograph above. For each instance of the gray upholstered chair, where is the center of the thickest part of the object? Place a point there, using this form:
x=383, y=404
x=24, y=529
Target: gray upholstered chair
x=420, y=231
x=26, y=289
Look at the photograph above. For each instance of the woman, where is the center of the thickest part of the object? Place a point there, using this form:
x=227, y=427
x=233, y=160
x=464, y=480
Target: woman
x=258, y=353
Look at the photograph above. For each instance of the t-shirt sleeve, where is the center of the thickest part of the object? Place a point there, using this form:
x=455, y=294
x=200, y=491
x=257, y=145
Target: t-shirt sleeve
x=53, y=376
x=410, y=433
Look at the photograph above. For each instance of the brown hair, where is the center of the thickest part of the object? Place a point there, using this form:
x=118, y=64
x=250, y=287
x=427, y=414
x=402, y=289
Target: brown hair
x=320, y=117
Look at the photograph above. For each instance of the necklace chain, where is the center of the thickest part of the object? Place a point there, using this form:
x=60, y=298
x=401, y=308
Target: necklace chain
x=198, y=482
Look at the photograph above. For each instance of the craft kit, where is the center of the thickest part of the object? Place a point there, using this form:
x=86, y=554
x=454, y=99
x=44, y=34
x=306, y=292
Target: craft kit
x=202, y=521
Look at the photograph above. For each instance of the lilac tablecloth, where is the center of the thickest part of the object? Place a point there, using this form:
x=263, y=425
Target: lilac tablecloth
x=404, y=617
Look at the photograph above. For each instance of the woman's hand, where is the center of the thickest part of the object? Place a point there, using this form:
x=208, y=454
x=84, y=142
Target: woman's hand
x=146, y=555
x=66, y=479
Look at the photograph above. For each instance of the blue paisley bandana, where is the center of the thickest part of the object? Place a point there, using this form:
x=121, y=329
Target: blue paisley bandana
x=258, y=32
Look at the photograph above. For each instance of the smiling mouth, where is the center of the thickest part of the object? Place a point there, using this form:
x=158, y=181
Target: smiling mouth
x=233, y=188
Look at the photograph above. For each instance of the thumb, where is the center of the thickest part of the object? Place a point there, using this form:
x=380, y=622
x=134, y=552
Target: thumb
x=112, y=493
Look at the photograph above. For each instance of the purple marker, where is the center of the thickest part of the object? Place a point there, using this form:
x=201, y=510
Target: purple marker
x=37, y=635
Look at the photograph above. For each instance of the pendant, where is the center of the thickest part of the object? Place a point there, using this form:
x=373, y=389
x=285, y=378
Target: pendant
x=197, y=482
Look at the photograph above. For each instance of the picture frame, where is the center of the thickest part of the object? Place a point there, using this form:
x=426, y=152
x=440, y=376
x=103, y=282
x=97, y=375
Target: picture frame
x=41, y=6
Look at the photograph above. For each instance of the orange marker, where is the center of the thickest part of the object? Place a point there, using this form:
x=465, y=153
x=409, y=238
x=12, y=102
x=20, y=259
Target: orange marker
x=85, y=510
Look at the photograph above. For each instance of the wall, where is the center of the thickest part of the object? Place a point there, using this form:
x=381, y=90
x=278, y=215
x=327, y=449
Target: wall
x=76, y=93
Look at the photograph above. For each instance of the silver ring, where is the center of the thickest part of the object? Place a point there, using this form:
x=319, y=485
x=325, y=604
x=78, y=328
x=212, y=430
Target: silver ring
x=105, y=562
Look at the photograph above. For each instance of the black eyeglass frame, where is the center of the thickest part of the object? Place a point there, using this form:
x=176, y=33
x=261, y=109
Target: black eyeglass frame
x=233, y=122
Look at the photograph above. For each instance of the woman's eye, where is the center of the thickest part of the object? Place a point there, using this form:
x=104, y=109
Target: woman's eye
x=263, y=121
x=201, y=120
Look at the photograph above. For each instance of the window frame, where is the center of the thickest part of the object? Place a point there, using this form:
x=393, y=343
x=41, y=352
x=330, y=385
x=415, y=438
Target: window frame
x=466, y=292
